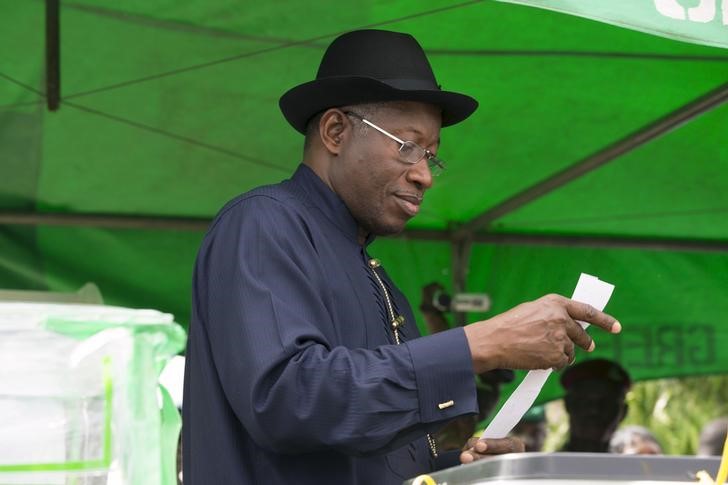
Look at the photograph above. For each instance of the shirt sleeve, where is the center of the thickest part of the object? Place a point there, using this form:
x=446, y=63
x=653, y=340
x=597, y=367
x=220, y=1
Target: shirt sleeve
x=259, y=289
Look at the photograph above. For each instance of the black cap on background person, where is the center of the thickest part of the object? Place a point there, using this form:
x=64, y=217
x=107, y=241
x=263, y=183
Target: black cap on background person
x=596, y=369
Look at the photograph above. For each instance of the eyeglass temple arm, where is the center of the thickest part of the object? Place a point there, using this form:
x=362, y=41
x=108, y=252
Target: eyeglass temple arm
x=428, y=154
x=384, y=132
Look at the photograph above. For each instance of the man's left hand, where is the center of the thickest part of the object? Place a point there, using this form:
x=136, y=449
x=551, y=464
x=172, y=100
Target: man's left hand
x=477, y=448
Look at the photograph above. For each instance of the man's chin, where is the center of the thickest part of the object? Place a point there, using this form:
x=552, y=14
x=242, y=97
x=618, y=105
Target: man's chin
x=382, y=230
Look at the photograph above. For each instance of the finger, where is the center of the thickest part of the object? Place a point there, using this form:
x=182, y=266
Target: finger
x=467, y=457
x=567, y=356
x=562, y=363
x=481, y=446
x=471, y=443
x=570, y=353
x=578, y=336
x=498, y=446
x=589, y=314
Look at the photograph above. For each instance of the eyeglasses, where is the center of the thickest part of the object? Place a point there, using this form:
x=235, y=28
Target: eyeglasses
x=409, y=151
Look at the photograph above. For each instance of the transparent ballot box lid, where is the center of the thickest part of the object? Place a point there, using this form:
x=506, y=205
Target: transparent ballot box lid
x=576, y=469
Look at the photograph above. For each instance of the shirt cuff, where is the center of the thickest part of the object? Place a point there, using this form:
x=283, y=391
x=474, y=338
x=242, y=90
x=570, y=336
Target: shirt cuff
x=444, y=373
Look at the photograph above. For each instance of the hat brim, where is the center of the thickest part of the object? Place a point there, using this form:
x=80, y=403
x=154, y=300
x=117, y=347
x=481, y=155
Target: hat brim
x=302, y=102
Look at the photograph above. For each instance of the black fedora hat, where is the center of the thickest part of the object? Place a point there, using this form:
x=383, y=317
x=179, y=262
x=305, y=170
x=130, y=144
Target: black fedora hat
x=367, y=66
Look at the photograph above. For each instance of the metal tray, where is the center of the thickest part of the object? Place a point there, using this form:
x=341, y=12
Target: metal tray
x=573, y=468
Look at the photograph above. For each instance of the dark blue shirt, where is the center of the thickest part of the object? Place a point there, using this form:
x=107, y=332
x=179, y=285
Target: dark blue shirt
x=292, y=374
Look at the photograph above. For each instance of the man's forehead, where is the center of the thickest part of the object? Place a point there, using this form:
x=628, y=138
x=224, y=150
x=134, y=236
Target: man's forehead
x=426, y=140
x=418, y=118
x=416, y=131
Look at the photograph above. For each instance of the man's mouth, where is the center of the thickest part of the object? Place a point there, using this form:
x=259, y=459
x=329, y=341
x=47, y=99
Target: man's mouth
x=410, y=203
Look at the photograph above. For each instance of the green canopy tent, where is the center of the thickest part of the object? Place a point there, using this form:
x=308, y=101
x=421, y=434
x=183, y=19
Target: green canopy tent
x=595, y=149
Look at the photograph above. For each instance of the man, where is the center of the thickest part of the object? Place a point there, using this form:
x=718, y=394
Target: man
x=595, y=401
x=304, y=364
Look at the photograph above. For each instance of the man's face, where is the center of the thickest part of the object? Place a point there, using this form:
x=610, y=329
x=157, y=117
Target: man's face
x=380, y=190
x=595, y=408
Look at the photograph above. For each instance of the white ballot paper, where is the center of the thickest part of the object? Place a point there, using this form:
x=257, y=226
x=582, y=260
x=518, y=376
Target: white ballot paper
x=589, y=289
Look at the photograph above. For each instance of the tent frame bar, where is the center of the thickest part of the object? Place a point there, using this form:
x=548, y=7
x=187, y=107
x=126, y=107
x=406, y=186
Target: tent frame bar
x=110, y=221
x=568, y=240
x=655, y=129
x=461, y=249
x=53, y=54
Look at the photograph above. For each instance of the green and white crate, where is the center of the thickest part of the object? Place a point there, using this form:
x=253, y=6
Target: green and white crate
x=80, y=401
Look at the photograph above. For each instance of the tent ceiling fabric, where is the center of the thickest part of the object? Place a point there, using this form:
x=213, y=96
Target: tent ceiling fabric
x=169, y=109
x=218, y=125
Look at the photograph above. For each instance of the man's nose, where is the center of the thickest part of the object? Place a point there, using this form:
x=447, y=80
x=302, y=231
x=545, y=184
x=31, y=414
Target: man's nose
x=420, y=175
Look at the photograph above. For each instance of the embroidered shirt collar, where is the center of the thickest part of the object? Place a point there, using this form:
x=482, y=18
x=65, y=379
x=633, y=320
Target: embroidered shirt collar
x=328, y=202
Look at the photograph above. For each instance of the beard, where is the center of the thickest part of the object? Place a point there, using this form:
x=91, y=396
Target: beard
x=374, y=221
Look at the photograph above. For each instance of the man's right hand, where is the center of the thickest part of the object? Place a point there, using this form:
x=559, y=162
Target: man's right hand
x=479, y=448
x=540, y=334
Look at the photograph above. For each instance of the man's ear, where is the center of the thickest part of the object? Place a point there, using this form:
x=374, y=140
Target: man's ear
x=333, y=128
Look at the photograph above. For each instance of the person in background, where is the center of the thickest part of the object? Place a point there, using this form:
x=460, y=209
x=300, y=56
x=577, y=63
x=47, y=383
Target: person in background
x=531, y=429
x=595, y=400
x=713, y=437
x=487, y=384
x=634, y=440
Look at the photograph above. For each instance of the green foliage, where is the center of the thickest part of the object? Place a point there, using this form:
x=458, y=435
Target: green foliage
x=557, y=422
x=675, y=410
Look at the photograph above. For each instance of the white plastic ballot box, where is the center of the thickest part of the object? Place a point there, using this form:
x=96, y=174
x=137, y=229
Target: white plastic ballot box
x=80, y=401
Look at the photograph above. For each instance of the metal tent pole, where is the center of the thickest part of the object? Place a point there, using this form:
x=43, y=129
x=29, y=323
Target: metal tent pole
x=53, y=54
x=648, y=133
